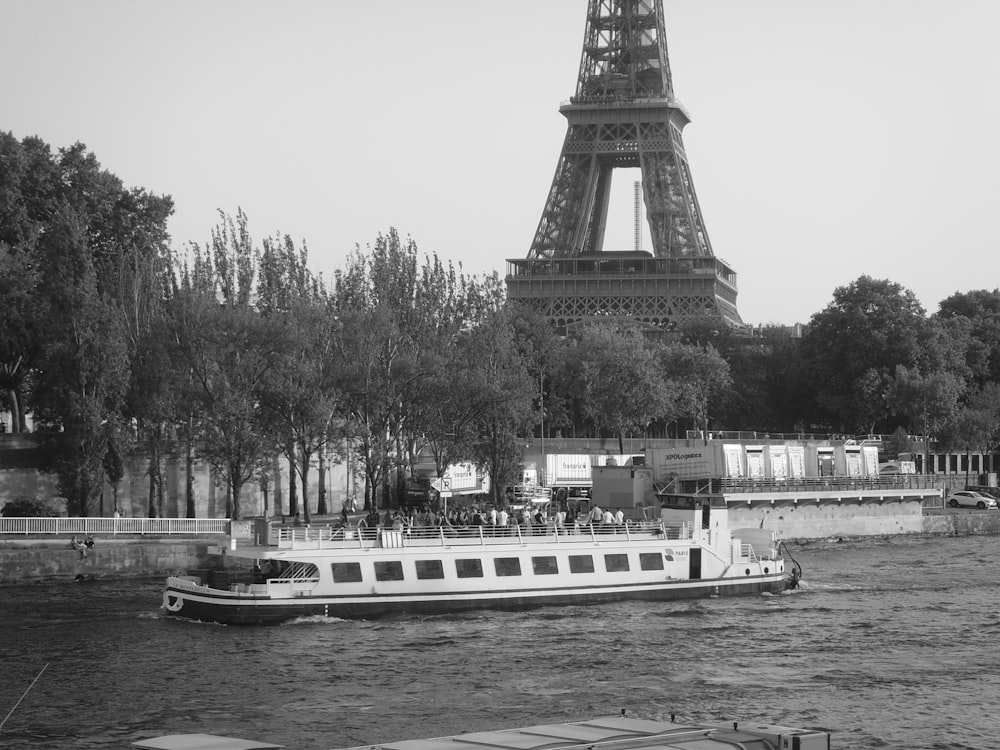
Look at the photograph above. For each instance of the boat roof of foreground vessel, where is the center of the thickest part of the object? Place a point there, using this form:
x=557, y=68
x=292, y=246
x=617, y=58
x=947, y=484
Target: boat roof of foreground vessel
x=610, y=733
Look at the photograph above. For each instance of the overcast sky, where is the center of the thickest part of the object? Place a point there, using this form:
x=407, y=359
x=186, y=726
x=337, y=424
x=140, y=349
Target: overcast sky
x=829, y=138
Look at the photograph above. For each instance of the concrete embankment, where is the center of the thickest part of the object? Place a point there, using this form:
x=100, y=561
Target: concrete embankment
x=33, y=561
x=963, y=523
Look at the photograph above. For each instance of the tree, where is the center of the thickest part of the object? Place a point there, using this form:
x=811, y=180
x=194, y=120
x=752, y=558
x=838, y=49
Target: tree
x=930, y=401
x=19, y=339
x=300, y=397
x=980, y=309
x=502, y=394
x=82, y=371
x=399, y=316
x=871, y=327
x=378, y=376
x=230, y=351
x=616, y=374
x=768, y=384
x=975, y=426
x=700, y=375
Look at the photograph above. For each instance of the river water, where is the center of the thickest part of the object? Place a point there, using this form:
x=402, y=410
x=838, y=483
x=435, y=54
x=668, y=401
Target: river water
x=889, y=643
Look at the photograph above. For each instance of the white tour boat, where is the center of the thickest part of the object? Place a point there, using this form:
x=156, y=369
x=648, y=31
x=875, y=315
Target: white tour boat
x=689, y=552
x=601, y=733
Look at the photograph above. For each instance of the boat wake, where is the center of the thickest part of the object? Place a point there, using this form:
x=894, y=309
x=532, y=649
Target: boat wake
x=314, y=620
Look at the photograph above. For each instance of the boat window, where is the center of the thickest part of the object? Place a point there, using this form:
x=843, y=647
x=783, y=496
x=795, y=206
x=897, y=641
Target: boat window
x=389, y=570
x=470, y=568
x=544, y=566
x=429, y=569
x=507, y=566
x=349, y=572
x=581, y=564
x=651, y=561
x=616, y=563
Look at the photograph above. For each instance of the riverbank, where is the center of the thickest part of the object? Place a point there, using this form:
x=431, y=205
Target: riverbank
x=28, y=560
x=51, y=560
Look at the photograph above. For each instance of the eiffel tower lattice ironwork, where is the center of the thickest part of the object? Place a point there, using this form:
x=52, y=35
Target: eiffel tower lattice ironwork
x=623, y=115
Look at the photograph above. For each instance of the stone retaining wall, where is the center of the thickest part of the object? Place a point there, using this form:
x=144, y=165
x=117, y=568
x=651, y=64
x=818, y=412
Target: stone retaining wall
x=32, y=562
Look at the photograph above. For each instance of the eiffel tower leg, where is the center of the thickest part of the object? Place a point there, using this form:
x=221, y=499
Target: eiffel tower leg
x=594, y=242
x=562, y=229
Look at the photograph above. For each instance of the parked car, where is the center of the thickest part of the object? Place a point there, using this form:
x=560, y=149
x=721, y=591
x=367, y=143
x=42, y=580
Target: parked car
x=970, y=499
x=993, y=492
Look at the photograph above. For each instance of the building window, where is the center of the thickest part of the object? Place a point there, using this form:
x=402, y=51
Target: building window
x=581, y=564
x=429, y=569
x=507, y=566
x=390, y=570
x=616, y=563
x=544, y=566
x=471, y=568
x=346, y=572
x=651, y=561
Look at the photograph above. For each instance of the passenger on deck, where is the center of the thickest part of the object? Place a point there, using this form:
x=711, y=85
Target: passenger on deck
x=538, y=521
x=560, y=520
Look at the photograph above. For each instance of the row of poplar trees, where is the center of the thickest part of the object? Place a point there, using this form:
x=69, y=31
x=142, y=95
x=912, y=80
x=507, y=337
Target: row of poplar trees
x=235, y=352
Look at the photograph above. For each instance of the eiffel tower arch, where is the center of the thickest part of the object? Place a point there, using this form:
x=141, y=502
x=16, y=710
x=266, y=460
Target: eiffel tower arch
x=623, y=115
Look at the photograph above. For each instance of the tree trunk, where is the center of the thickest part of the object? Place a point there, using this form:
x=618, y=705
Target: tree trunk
x=276, y=484
x=154, y=463
x=237, y=512
x=293, y=492
x=16, y=422
x=160, y=481
x=306, y=459
x=321, y=507
x=191, y=511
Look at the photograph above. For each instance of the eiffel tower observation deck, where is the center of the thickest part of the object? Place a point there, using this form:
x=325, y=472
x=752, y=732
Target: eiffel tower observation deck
x=623, y=115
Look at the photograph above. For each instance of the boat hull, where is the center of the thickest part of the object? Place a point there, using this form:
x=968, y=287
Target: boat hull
x=234, y=608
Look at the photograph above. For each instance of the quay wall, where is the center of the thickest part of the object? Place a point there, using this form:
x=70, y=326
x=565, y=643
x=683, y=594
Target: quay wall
x=847, y=518
x=28, y=561
x=53, y=560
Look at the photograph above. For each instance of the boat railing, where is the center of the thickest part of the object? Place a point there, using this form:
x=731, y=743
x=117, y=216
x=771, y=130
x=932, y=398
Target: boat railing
x=446, y=536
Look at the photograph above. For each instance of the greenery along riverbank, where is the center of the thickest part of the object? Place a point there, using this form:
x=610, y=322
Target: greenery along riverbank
x=118, y=342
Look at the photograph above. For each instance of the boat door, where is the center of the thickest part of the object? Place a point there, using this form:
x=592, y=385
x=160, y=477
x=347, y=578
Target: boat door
x=694, y=572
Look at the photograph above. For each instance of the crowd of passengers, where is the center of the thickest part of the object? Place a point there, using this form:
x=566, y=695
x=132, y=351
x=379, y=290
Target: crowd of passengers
x=492, y=520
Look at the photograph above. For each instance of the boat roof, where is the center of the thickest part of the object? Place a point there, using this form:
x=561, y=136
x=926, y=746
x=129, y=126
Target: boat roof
x=610, y=733
x=606, y=733
x=202, y=742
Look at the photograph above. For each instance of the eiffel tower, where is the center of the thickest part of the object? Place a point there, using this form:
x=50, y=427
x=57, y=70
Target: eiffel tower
x=623, y=115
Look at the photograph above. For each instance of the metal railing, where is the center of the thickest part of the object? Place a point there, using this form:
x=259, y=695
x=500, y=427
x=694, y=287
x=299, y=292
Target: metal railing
x=318, y=538
x=114, y=526
x=828, y=483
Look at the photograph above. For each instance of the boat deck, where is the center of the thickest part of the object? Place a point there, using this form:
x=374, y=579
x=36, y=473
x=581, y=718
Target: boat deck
x=304, y=538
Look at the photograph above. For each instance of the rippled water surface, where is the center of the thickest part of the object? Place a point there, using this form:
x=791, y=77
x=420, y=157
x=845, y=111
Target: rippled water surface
x=888, y=644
